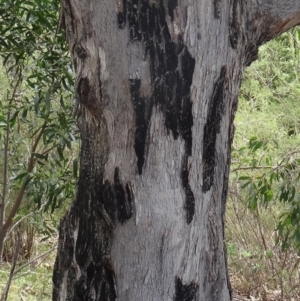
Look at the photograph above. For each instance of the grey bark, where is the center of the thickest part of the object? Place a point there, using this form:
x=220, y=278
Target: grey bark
x=157, y=83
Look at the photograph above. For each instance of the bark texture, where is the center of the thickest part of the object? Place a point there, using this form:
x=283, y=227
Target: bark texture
x=157, y=83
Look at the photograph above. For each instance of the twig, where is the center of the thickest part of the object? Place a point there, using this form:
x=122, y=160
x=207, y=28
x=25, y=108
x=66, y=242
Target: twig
x=12, y=269
x=5, y=167
x=33, y=260
x=251, y=168
x=20, y=195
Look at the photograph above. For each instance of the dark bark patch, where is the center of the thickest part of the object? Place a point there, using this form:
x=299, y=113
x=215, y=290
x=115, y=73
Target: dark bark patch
x=121, y=20
x=171, y=66
x=99, y=283
x=234, y=28
x=190, y=198
x=109, y=290
x=211, y=129
x=185, y=292
x=124, y=205
x=130, y=196
x=171, y=71
x=105, y=197
x=251, y=53
x=88, y=96
x=172, y=4
x=122, y=16
x=80, y=51
x=141, y=122
x=217, y=8
x=161, y=251
x=95, y=205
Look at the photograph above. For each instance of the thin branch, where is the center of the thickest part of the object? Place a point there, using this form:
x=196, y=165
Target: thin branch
x=6, y=143
x=30, y=167
x=49, y=149
x=251, y=168
x=281, y=16
x=12, y=269
x=5, y=171
x=34, y=259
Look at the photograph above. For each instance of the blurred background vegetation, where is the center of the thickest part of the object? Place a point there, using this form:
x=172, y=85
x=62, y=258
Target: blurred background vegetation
x=39, y=144
x=39, y=160
x=263, y=212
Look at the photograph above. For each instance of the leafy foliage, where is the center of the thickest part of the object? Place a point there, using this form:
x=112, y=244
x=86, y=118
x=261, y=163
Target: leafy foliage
x=37, y=129
x=267, y=166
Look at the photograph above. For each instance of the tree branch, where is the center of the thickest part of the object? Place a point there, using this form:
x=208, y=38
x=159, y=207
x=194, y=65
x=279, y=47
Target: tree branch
x=278, y=16
x=30, y=167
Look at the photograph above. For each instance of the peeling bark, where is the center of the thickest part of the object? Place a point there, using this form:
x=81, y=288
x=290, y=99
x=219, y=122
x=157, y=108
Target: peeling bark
x=157, y=83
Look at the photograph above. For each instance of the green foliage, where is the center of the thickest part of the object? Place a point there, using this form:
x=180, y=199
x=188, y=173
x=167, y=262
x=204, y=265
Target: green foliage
x=266, y=157
x=36, y=120
x=263, y=219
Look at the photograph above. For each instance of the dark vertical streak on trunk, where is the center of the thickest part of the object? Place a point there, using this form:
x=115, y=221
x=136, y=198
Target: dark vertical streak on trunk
x=217, y=8
x=171, y=71
x=172, y=4
x=95, y=207
x=185, y=292
x=124, y=204
x=141, y=122
x=122, y=16
x=234, y=28
x=90, y=96
x=190, y=198
x=211, y=129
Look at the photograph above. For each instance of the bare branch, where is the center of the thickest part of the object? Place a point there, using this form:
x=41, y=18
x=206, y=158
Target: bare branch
x=278, y=16
x=12, y=269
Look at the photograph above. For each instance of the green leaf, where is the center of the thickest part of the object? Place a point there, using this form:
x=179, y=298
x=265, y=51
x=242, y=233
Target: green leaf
x=21, y=176
x=246, y=184
x=257, y=145
x=244, y=178
x=13, y=119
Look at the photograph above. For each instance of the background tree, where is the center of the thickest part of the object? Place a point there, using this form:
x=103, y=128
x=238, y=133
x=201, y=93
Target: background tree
x=157, y=83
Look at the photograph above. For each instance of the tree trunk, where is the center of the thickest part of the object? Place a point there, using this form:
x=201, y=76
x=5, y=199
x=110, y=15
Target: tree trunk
x=157, y=83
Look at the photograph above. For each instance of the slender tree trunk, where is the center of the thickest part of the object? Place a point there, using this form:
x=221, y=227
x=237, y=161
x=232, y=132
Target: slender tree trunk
x=157, y=83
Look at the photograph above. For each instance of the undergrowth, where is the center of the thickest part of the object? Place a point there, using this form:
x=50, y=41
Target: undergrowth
x=260, y=268
x=33, y=278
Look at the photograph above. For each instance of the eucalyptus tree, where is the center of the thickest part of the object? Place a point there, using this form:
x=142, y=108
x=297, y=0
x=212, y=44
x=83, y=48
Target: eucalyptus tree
x=157, y=84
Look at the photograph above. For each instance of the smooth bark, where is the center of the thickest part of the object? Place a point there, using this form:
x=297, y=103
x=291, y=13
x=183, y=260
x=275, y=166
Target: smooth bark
x=157, y=83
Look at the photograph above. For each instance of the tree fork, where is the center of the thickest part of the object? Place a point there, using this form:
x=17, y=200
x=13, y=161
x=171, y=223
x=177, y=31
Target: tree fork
x=157, y=82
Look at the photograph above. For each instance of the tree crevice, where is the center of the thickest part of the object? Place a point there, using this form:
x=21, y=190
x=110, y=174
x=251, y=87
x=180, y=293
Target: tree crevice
x=212, y=128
